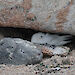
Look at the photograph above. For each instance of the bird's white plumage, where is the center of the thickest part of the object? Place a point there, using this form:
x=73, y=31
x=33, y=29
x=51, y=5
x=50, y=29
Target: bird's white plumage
x=42, y=38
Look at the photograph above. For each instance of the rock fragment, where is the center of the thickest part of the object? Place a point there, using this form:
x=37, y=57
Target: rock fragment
x=59, y=50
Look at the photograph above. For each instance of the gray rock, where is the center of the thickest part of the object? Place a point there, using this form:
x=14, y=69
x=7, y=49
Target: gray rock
x=7, y=47
x=17, y=51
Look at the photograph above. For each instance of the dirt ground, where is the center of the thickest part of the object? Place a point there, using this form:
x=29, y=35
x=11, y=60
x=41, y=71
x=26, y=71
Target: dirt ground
x=55, y=65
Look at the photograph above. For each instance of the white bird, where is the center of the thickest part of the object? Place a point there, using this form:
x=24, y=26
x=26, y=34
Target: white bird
x=50, y=39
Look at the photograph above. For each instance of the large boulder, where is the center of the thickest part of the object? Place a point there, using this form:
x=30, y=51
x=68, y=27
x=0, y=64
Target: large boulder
x=43, y=15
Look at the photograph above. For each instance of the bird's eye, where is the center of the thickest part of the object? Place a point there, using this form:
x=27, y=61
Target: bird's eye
x=52, y=46
x=46, y=43
x=41, y=36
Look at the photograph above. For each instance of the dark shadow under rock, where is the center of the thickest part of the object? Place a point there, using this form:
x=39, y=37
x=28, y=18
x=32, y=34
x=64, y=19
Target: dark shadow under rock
x=23, y=33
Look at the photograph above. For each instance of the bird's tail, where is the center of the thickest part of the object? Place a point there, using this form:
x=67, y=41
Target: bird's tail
x=61, y=40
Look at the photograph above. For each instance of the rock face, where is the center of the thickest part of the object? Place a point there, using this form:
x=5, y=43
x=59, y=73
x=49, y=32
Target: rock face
x=17, y=51
x=43, y=15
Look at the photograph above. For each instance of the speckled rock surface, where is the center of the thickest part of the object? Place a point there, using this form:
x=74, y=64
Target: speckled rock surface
x=43, y=15
x=17, y=51
x=55, y=65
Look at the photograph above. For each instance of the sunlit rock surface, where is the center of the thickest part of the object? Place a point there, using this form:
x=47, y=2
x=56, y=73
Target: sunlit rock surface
x=42, y=15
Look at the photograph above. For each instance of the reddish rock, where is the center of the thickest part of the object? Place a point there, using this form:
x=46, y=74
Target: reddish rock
x=43, y=15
